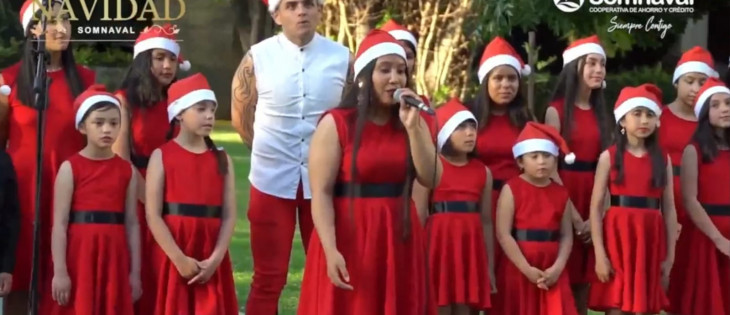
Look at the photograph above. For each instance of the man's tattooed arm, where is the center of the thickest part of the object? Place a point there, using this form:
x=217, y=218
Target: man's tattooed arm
x=244, y=97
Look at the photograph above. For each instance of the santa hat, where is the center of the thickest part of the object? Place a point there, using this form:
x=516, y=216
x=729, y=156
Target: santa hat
x=453, y=113
x=273, y=3
x=187, y=92
x=93, y=95
x=375, y=45
x=711, y=87
x=696, y=59
x=645, y=95
x=27, y=11
x=161, y=37
x=499, y=52
x=399, y=32
x=582, y=47
x=536, y=137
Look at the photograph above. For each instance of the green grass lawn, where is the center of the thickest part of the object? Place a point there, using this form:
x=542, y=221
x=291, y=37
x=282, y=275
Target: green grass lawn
x=240, y=245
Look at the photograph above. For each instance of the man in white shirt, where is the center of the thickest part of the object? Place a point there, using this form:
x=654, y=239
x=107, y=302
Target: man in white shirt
x=279, y=91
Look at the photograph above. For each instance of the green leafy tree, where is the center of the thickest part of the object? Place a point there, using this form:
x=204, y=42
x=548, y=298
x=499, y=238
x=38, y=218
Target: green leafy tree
x=10, y=35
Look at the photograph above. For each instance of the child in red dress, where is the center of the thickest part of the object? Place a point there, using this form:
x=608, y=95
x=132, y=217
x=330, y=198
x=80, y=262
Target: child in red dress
x=95, y=234
x=579, y=113
x=705, y=179
x=534, y=229
x=678, y=123
x=459, y=229
x=191, y=210
x=640, y=227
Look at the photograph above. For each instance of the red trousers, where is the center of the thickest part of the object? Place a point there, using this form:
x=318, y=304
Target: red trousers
x=272, y=222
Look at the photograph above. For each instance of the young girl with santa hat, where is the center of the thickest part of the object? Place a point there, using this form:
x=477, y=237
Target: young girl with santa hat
x=366, y=256
x=705, y=180
x=95, y=235
x=459, y=228
x=191, y=209
x=634, y=239
x=579, y=113
x=534, y=229
x=501, y=112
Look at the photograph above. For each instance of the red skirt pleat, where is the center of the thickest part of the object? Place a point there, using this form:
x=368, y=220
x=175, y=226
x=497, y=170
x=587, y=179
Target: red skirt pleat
x=387, y=273
x=636, y=246
x=146, y=244
x=516, y=295
x=705, y=285
x=681, y=275
x=98, y=264
x=196, y=237
x=457, y=257
x=581, y=262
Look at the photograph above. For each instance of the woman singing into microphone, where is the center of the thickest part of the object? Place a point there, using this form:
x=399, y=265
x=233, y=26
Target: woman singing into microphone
x=18, y=131
x=366, y=256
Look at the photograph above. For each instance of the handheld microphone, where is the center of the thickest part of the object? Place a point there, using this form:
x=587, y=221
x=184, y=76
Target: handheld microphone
x=413, y=102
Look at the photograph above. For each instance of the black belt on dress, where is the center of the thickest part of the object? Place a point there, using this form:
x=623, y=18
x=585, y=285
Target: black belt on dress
x=717, y=210
x=95, y=217
x=529, y=235
x=139, y=161
x=455, y=207
x=579, y=166
x=635, y=202
x=675, y=170
x=191, y=210
x=389, y=190
x=497, y=184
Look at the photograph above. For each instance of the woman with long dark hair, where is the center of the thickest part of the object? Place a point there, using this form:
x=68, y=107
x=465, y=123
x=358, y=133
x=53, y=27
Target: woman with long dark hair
x=366, y=256
x=705, y=180
x=578, y=112
x=144, y=125
x=18, y=132
x=501, y=111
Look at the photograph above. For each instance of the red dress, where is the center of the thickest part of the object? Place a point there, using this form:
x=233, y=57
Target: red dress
x=61, y=140
x=149, y=127
x=386, y=271
x=585, y=142
x=457, y=255
x=494, y=149
x=97, y=252
x=192, y=211
x=538, y=212
x=704, y=282
x=635, y=240
x=674, y=135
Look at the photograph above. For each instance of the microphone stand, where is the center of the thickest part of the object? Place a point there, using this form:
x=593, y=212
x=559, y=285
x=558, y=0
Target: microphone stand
x=41, y=85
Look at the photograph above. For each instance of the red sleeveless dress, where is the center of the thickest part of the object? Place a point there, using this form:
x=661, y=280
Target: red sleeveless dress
x=457, y=253
x=148, y=131
x=192, y=211
x=706, y=280
x=387, y=273
x=494, y=149
x=585, y=142
x=97, y=252
x=674, y=135
x=635, y=240
x=61, y=140
x=536, y=228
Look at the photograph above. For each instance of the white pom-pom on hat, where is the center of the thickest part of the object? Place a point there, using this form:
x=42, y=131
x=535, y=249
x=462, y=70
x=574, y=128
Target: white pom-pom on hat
x=185, y=65
x=570, y=158
x=5, y=90
x=603, y=84
x=526, y=70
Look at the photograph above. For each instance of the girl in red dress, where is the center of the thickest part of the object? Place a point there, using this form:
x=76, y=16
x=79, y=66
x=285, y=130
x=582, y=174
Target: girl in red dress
x=534, y=229
x=640, y=226
x=678, y=123
x=705, y=183
x=18, y=132
x=143, y=95
x=579, y=113
x=459, y=229
x=95, y=228
x=501, y=112
x=366, y=256
x=191, y=210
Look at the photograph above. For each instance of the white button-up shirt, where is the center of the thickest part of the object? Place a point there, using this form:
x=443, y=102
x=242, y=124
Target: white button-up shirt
x=295, y=86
